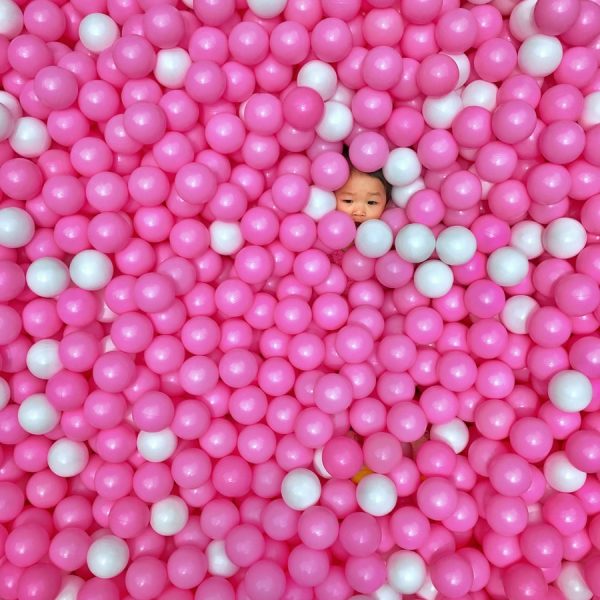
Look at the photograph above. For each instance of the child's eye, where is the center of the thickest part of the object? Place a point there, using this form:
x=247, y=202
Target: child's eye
x=347, y=201
x=373, y=203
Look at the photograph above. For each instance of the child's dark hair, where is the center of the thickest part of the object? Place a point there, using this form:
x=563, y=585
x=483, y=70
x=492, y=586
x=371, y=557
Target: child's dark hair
x=376, y=174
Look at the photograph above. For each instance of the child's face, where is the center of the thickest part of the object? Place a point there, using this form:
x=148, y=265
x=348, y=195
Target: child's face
x=362, y=197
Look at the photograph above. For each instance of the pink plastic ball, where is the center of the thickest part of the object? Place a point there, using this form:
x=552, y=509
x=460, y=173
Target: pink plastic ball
x=452, y=575
x=437, y=75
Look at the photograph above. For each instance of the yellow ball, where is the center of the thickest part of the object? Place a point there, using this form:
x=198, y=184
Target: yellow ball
x=364, y=471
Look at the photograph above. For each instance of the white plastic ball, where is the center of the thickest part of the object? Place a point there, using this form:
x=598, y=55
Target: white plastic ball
x=540, y=55
x=507, y=266
x=67, y=458
x=561, y=475
x=433, y=278
x=37, y=415
x=47, y=277
x=320, y=202
x=464, y=68
x=156, y=446
x=98, y=32
x=516, y=312
x=406, y=571
x=91, y=270
x=527, y=237
x=300, y=489
x=107, y=556
x=590, y=115
x=318, y=465
x=9, y=101
x=70, y=587
x=376, y=494
x=16, y=227
x=486, y=186
x=521, y=22
x=107, y=345
x=570, y=391
x=401, y=194
x=440, y=112
x=43, y=360
x=105, y=314
x=267, y=9
x=4, y=393
x=571, y=582
x=564, y=238
x=225, y=238
x=415, y=242
x=343, y=95
x=7, y=122
x=456, y=245
x=480, y=93
x=336, y=123
x=385, y=592
x=30, y=137
x=454, y=433
x=169, y=515
x=11, y=19
x=319, y=76
x=219, y=564
x=171, y=67
x=427, y=591
x=374, y=238
x=402, y=167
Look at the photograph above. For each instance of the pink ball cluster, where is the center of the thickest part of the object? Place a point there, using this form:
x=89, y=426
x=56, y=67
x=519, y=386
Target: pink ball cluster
x=215, y=386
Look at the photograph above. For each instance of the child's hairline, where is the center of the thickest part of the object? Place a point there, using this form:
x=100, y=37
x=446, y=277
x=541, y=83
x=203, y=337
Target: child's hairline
x=387, y=187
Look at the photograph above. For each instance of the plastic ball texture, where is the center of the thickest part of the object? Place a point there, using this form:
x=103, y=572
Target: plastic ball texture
x=299, y=299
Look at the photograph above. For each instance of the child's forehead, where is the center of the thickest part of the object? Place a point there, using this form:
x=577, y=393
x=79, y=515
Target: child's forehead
x=357, y=179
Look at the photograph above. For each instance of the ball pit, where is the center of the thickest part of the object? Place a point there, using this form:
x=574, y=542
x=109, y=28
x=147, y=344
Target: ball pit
x=299, y=299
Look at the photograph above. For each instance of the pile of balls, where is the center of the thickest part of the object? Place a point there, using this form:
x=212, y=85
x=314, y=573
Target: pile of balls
x=198, y=402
